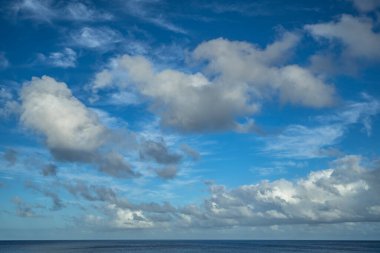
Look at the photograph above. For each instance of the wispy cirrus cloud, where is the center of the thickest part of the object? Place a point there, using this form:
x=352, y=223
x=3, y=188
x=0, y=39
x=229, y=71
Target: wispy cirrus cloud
x=50, y=10
x=301, y=141
x=148, y=11
x=100, y=38
x=63, y=59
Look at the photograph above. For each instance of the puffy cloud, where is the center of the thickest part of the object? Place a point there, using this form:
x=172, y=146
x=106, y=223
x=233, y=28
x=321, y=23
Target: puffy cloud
x=167, y=173
x=237, y=78
x=65, y=59
x=50, y=108
x=366, y=5
x=158, y=151
x=128, y=219
x=356, y=34
x=359, y=40
x=8, y=103
x=346, y=192
x=72, y=132
x=90, y=192
x=114, y=164
x=240, y=63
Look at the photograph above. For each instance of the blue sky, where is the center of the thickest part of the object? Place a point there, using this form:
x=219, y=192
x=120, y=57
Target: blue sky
x=159, y=119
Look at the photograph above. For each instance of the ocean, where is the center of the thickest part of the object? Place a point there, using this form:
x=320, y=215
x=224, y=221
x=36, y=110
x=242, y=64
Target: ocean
x=188, y=246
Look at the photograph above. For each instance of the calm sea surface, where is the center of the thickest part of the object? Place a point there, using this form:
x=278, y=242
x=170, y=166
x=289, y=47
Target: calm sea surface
x=188, y=246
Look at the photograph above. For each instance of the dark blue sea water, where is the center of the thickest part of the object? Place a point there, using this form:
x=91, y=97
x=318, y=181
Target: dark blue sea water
x=188, y=246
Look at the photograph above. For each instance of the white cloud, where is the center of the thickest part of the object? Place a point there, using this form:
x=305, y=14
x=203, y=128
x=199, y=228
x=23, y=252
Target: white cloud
x=75, y=133
x=102, y=38
x=366, y=5
x=346, y=192
x=143, y=9
x=355, y=33
x=65, y=59
x=124, y=98
x=49, y=10
x=127, y=219
x=299, y=141
x=359, y=40
x=49, y=108
x=8, y=103
x=237, y=79
x=79, y=11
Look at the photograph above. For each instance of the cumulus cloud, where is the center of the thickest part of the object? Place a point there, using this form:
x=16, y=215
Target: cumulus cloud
x=73, y=132
x=169, y=172
x=345, y=192
x=366, y=5
x=65, y=59
x=359, y=40
x=90, y=192
x=356, y=34
x=158, y=151
x=237, y=78
x=70, y=128
x=114, y=164
x=128, y=219
x=8, y=103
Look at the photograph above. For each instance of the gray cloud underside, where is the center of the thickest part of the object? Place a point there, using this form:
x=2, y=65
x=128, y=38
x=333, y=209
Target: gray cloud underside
x=49, y=170
x=345, y=192
x=358, y=38
x=73, y=132
x=57, y=203
x=237, y=78
x=157, y=151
